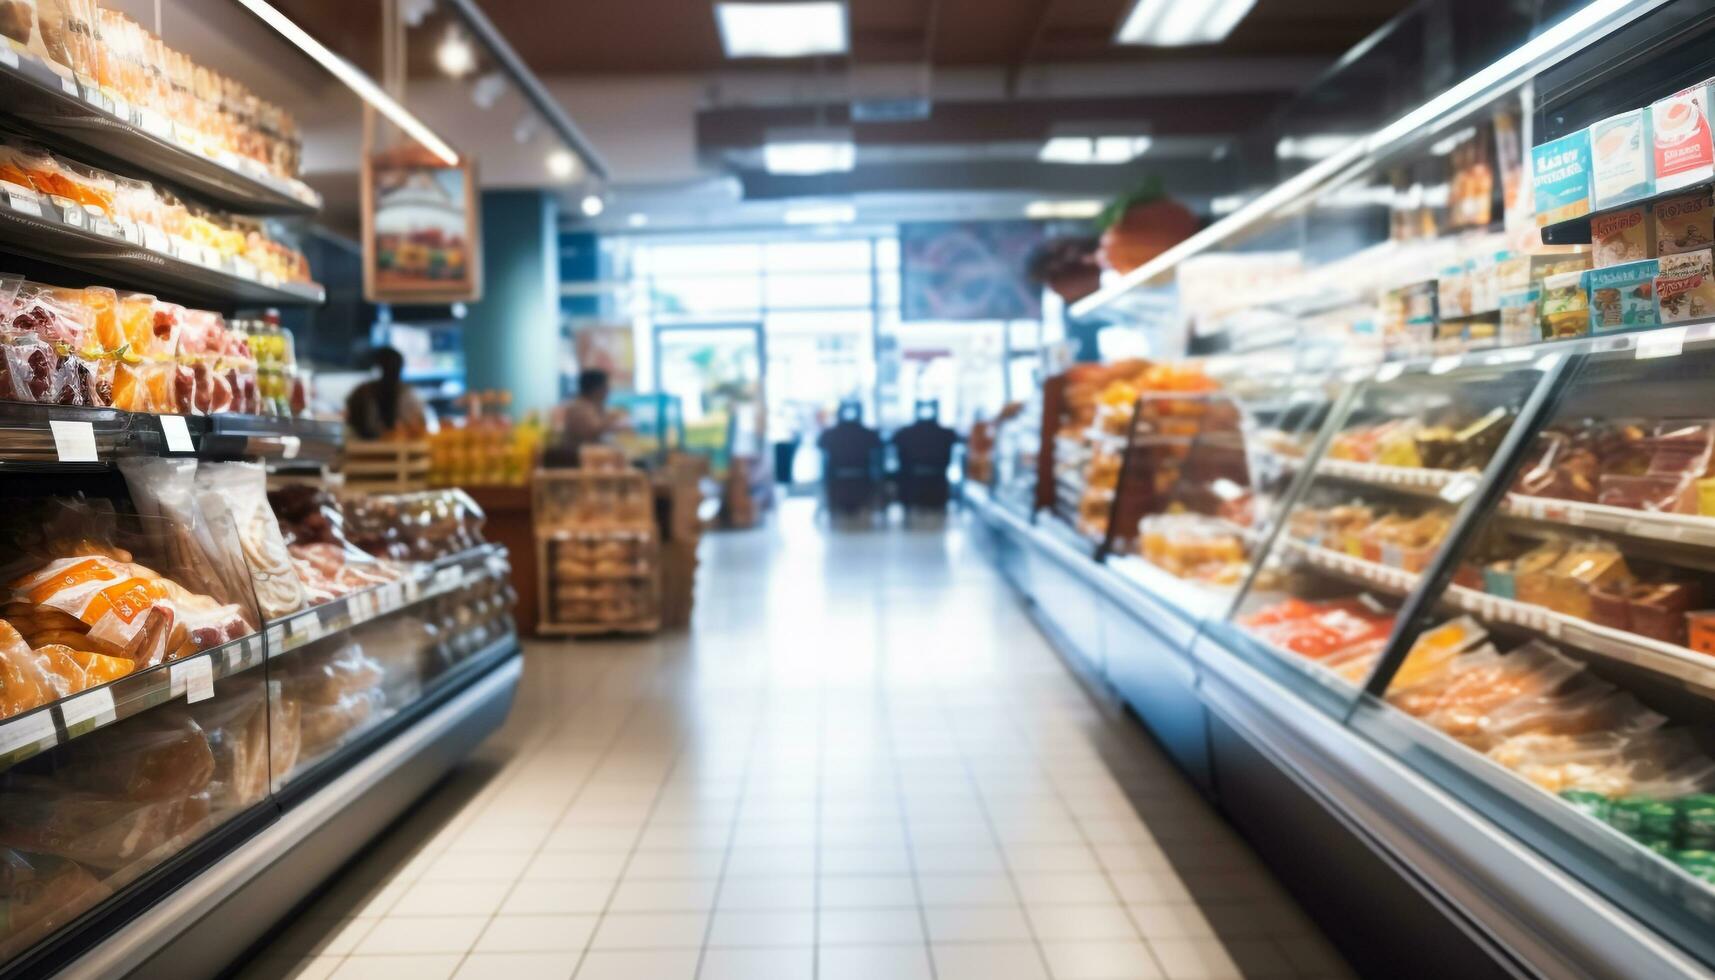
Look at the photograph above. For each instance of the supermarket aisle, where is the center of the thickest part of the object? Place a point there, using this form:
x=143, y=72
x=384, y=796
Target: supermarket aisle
x=865, y=764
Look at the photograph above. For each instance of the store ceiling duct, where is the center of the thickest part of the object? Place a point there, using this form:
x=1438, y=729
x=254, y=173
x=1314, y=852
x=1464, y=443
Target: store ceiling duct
x=1177, y=23
x=782, y=30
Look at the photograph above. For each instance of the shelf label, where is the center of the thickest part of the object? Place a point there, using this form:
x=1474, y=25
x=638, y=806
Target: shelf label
x=1388, y=372
x=305, y=628
x=1442, y=365
x=155, y=124
x=128, y=230
x=88, y=711
x=24, y=200
x=8, y=57
x=194, y=678
x=244, y=268
x=68, y=86
x=31, y=729
x=155, y=240
x=121, y=108
x=275, y=639
x=1666, y=342
x=1458, y=488
x=69, y=211
x=74, y=441
x=289, y=447
x=178, y=434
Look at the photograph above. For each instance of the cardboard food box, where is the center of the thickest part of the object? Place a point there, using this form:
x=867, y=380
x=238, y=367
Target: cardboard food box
x=1560, y=172
x=1622, y=297
x=1564, y=306
x=1683, y=224
x=1622, y=160
x=1584, y=567
x=1626, y=235
x=1685, y=286
x=1680, y=134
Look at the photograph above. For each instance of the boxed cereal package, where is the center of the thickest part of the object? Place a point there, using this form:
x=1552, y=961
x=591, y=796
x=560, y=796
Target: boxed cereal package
x=1684, y=223
x=1626, y=235
x=1622, y=161
x=1685, y=286
x=1679, y=125
x=1561, y=177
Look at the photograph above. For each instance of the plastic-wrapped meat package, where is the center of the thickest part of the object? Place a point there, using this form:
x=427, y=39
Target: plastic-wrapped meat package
x=238, y=368
x=204, y=551
x=237, y=492
x=285, y=730
x=39, y=894
x=45, y=816
x=1586, y=709
x=24, y=684
x=1569, y=763
x=203, y=343
x=145, y=375
x=339, y=690
x=1531, y=671
x=158, y=755
x=237, y=727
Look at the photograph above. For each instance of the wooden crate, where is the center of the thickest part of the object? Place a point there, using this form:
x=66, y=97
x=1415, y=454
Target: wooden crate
x=386, y=466
x=566, y=516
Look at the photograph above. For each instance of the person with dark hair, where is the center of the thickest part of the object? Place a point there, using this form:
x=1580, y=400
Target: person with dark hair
x=386, y=404
x=582, y=420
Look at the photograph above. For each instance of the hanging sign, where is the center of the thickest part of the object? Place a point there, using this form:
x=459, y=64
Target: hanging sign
x=422, y=241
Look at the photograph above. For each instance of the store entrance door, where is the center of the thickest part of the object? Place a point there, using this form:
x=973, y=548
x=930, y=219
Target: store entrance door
x=715, y=370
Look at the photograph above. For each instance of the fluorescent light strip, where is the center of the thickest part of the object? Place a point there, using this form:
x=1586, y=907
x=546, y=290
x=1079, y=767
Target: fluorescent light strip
x=1174, y=23
x=1587, y=25
x=355, y=80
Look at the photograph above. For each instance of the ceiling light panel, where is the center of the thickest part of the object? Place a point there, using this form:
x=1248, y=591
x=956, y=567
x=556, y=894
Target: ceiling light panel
x=1093, y=149
x=1176, y=23
x=782, y=30
x=805, y=157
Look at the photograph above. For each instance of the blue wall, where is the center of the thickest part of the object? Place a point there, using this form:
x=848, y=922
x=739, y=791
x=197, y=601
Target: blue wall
x=512, y=336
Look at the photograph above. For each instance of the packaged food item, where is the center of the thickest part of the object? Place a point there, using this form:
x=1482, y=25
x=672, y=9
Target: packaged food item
x=1700, y=626
x=204, y=553
x=1680, y=133
x=1622, y=160
x=236, y=724
x=47, y=816
x=1435, y=649
x=1563, y=764
x=24, y=683
x=1463, y=707
x=40, y=894
x=1685, y=286
x=17, y=19
x=239, y=492
x=1684, y=223
x=1564, y=306
x=1625, y=235
x=1622, y=297
x=164, y=755
x=1561, y=176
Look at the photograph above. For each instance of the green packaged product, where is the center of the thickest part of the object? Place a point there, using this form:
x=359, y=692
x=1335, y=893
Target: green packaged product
x=1697, y=821
x=1587, y=802
x=1646, y=820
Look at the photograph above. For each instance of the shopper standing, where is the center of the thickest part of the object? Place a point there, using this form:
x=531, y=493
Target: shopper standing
x=583, y=420
x=386, y=405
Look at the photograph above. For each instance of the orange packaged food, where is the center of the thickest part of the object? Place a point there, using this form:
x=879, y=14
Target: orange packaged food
x=23, y=683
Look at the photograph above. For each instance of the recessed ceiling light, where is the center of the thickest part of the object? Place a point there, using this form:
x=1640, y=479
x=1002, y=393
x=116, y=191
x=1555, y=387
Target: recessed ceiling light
x=1047, y=210
x=1093, y=149
x=561, y=165
x=454, y=55
x=809, y=156
x=830, y=214
x=1226, y=204
x=637, y=220
x=1175, y=23
x=782, y=30
x=592, y=205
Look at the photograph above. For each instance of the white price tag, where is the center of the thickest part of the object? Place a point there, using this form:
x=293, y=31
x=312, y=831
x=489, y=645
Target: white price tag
x=244, y=268
x=194, y=679
x=275, y=639
x=155, y=124
x=289, y=447
x=23, y=200
x=121, y=108
x=31, y=729
x=1388, y=372
x=305, y=628
x=178, y=434
x=88, y=711
x=75, y=441
x=69, y=211
x=8, y=57
x=155, y=240
x=237, y=655
x=68, y=86
x=1666, y=342
x=128, y=230
x=1458, y=488
x=1442, y=365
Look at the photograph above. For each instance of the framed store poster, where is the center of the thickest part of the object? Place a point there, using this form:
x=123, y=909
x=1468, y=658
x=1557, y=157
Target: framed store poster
x=422, y=242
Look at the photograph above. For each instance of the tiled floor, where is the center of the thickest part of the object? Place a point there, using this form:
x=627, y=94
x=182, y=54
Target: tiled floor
x=864, y=763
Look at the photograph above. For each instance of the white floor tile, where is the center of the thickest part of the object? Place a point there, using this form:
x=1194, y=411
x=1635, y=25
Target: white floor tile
x=868, y=891
x=754, y=928
x=1061, y=923
x=426, y=934
x=633, y=964
x=651, y=930
x=536, y=934
x=396, y=968
x=977, y=925
x=988, y=961
x=1101, y=960
x=517, y=966
x=907, y=962
x=758, y=964
x=862, y=927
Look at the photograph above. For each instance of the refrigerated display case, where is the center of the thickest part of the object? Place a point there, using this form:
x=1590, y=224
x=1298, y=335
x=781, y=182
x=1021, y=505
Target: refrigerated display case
x=1465, y=678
